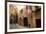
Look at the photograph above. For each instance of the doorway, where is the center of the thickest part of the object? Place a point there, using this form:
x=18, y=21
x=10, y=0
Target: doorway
x=38, y=23
x=25, y=21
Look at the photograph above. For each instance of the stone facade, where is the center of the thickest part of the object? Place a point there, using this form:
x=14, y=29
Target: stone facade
x=31, y=19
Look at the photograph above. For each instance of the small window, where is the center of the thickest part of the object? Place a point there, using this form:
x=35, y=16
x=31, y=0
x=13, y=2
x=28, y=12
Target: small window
x=21, y=11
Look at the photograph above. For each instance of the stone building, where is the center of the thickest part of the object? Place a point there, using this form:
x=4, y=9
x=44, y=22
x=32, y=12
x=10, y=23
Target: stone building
x=33, y=17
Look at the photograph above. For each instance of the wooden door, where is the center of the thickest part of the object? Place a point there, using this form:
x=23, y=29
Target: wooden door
x=38, y=23
x=26, y=21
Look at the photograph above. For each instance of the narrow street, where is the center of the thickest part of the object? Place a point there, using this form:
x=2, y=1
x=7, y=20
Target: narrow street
x=16, y=26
